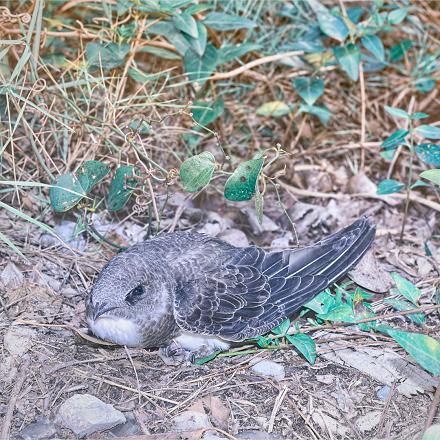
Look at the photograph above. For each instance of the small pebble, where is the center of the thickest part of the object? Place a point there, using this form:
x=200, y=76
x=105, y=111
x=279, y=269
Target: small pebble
x=382, y=394
x=269, y=369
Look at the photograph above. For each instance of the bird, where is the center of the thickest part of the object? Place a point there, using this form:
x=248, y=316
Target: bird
x=190, y=294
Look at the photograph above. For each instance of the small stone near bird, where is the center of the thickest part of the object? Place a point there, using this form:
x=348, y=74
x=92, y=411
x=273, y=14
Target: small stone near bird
x=269, y=369
x=41, y=429
x=85, y=414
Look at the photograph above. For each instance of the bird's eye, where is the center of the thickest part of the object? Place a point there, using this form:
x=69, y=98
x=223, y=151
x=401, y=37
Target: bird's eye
x=135, y=295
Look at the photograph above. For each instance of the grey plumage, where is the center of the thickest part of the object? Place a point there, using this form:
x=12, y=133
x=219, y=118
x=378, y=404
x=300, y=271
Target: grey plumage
x=193, y=283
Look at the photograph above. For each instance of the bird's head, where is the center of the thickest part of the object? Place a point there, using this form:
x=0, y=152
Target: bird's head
x=126, y=291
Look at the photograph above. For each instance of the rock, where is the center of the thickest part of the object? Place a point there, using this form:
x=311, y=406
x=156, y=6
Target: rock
x=383, y=393
x=325, y=378
x=368, y=421
x=42, y=428
x=360, y=183
x=267, y=225
x=18, y=340
x=129, y=428
x=85, y=414
x=370, y=275
x=11, y=276
x=235, y=237
x=424, y=266
x=269, y=369
x=257, y=435
x=191, y=420
x=283, y=242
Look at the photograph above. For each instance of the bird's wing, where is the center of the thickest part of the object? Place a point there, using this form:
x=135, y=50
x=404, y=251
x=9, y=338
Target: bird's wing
x=254, y=291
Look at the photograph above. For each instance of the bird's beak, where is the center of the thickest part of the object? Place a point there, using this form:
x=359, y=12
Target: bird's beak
x=99, y=309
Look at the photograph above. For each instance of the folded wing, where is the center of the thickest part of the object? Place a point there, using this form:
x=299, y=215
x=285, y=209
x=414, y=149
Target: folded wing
x=255, y=291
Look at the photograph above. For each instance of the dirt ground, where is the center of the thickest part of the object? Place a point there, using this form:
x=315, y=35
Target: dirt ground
x=44, y=362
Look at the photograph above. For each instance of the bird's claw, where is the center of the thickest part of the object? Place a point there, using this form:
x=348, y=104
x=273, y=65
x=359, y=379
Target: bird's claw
x=174, y=354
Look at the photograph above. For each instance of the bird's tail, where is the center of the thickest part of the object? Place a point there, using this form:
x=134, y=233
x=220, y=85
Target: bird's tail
x=311, y=270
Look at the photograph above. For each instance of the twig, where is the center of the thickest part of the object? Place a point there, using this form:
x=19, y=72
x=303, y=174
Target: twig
x=341, y=196
x=433, y=408
x=386, y=407
x=278, y=401
x=363, y=113
x=252, y=64
x=19, y=381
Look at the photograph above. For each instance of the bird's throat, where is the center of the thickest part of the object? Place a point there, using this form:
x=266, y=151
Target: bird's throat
x=117, y=330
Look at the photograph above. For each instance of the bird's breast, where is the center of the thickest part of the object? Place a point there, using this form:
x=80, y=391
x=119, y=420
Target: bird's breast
x=121, y=331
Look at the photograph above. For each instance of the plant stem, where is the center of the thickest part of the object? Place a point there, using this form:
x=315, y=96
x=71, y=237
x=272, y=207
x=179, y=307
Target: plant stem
x=410, y=175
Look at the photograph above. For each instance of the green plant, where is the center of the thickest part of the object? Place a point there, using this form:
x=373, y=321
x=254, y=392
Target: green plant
x=428, y=153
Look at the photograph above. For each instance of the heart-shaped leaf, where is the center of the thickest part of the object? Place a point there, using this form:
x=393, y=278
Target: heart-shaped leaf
x=186, y=23
x=322, y=112
x=91, y=173
x=108, y=57
x=121, y=187
x=305, y=345
x=199, y=67
x=196, y=172
x=205, y=112
x=310, y=89
x=65, y=192
x=241, y=185
x=348, y=58
x=374, y=45
x=332, y=25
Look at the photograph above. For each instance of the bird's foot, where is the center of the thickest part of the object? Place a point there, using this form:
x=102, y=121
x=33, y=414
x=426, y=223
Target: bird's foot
x=174, y=354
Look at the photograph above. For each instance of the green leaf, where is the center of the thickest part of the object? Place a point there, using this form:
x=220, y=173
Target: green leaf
x=220, y=21
x=199, y=44
x=374, y=45
x=322, y=112
x=332, y=25
x=397, y=16
x=66, y=192
x=395, y=139
x=230, y=52
x=90, y=173
x=340, y=313
x=349, y=58
x=241, y=185
x=274, y=109
x=425, y=84
x=206, y=112
x=397, y=112
x=282, y=328
x=401, y=305
x=305, y=345
x=398, y=51
x=109, y=56
x=406, y=288
x=419, y=115
x=199, y=67
x=432, y=175
x=310, y=89
x=424, y=349
x=389, y=186
x=428, y=131
x=186, y=23
x=160, y=52
x=321, y=303
x=196, y=172
x=429, y=153
x=121, y=188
